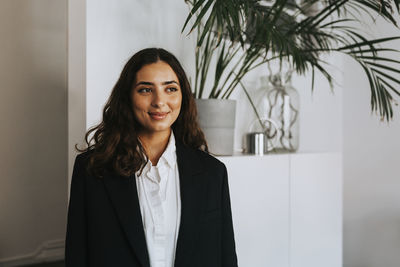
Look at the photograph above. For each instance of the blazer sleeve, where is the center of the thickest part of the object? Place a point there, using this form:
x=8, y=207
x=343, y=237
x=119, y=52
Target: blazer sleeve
x=75, y=241
x=229, y=257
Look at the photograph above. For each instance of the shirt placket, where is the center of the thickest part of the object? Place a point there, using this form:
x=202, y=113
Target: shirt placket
x=158, y=218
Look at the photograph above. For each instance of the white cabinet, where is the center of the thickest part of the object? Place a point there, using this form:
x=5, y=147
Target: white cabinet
x=287, y=209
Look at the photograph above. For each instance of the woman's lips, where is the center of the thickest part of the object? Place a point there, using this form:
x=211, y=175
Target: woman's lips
x=158, y=115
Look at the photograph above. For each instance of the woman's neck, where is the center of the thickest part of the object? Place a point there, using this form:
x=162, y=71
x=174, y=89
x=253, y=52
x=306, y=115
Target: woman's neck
x=155, y=144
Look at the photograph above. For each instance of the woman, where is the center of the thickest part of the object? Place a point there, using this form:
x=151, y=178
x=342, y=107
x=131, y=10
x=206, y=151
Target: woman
x=146, y=192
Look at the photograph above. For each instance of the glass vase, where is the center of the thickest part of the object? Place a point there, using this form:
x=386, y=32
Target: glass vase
x=278, y=101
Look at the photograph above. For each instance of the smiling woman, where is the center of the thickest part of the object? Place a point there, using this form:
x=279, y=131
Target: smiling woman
x=156, y=102
x=145, y=192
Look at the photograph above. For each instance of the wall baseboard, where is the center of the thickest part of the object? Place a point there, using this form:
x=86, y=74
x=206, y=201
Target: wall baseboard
x=48, y=251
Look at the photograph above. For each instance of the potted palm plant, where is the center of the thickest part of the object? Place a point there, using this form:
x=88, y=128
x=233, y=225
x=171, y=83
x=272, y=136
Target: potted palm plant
x=236, y=36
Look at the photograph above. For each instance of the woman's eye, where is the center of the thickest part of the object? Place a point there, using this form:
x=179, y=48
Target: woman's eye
x=144, y=90
x=172, y=89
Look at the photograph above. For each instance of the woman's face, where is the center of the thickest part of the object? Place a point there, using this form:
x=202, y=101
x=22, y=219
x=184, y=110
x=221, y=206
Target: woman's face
x=156, y=97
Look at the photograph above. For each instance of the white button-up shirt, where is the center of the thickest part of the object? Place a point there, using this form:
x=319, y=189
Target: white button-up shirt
x=160, y=206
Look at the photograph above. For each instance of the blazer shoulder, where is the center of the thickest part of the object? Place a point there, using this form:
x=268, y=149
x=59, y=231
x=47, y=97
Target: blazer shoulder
x=81, y=162
x=210, y=158
x=84, y=156
x=210, y=161
x=197, y=160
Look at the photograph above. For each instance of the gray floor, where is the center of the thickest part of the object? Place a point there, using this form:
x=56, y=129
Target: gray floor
x=50, y=264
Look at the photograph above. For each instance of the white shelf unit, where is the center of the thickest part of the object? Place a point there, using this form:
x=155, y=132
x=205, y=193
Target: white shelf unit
x=287, y=209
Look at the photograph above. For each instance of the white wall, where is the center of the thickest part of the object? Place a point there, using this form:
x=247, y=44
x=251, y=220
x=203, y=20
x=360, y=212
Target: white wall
x=33, y=115
x=371, y=173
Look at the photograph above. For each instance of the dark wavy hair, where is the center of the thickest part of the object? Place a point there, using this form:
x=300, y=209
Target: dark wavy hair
x=115, y=145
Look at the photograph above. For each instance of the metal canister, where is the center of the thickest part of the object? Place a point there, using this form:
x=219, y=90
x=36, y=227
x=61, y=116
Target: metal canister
x=257, y=143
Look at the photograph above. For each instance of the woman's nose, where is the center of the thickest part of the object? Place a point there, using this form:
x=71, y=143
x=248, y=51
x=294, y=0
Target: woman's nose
x=158, y=99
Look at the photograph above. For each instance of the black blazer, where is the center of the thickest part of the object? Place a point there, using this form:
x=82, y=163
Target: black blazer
x=104, y=227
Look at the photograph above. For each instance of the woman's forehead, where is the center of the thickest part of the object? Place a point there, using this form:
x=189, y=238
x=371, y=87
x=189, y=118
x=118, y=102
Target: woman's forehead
x=158, y=72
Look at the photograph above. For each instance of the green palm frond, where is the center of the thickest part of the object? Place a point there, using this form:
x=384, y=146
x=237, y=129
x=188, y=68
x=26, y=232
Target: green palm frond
x=240, y=35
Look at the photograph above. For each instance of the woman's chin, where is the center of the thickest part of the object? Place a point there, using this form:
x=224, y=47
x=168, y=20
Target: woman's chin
x=157, y=129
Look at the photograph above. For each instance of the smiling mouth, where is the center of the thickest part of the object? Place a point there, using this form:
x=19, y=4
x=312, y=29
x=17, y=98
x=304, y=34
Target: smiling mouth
x=158, y=115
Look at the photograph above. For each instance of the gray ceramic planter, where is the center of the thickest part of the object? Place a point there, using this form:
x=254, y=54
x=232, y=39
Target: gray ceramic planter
x=217, y=120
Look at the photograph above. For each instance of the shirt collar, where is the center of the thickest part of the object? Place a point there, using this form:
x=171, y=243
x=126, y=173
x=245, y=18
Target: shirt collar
x=168, y=156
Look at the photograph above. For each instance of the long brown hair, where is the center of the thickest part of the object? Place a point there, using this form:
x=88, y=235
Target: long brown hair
x=115, y=145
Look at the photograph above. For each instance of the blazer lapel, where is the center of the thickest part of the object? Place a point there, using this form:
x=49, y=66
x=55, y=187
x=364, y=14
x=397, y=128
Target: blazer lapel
x=192, y=189
x=123, y=195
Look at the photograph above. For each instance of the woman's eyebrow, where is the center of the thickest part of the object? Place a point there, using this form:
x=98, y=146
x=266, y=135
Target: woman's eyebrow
x=169, y=82
x=150, y=83
x=144, y=83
